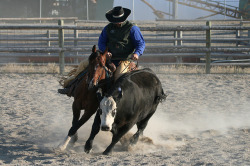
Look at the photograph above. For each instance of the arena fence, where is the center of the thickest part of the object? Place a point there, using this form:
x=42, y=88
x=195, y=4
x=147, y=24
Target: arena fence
x=165, y=43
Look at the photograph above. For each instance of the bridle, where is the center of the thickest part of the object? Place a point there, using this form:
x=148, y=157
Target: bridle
x=99, y=76
x=104, y=67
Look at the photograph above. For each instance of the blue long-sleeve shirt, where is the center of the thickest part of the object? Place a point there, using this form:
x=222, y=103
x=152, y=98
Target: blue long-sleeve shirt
x=136, y=37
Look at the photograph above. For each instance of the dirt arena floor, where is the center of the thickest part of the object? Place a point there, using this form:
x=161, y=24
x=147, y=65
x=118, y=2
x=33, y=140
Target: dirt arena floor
x=204, y=121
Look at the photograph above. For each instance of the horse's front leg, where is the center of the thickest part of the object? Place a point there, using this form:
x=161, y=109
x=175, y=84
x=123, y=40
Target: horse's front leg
x=85, y=117
x=72, y=138
x=94, y=131
x=76, y=125
x=76, y=115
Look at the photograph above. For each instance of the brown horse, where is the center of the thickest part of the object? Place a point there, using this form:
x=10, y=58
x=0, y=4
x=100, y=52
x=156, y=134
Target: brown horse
x=85, y=97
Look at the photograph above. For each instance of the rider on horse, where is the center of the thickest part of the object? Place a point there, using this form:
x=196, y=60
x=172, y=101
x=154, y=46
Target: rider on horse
x=124, y=41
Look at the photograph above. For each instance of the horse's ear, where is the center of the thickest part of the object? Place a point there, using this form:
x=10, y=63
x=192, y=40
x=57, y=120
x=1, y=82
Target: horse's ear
x=94, y=49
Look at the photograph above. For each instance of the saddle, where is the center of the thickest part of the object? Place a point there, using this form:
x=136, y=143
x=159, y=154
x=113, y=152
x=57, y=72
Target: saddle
x=79, y=78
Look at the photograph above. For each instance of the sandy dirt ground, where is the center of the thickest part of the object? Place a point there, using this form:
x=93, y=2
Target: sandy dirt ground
x=204, y=121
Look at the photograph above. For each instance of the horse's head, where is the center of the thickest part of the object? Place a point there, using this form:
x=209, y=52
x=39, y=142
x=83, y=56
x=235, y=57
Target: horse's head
x=97, y=71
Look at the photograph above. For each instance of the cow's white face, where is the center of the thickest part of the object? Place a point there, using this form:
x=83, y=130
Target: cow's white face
x=108, y=112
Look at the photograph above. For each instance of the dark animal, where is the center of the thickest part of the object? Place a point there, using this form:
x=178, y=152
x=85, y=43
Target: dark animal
x=133, y=99
x=85, y=94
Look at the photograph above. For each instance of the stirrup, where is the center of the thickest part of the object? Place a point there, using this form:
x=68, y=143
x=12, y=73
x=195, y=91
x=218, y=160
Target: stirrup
x=64, y=91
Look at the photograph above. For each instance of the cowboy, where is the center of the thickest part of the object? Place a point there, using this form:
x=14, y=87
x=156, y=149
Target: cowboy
x=124, y=41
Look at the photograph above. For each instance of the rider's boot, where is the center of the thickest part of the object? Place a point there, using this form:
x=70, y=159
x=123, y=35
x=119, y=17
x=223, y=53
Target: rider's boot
x=64, y=91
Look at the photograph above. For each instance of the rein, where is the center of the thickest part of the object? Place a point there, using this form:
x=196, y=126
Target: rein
x=107, y=75
x=108, y=81
x=101, y=74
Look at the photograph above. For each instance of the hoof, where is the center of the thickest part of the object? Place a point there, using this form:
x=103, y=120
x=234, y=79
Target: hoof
x=74, y=138
x=88, y=146
x=106, y=153
x=87, y=151
x=61, y=148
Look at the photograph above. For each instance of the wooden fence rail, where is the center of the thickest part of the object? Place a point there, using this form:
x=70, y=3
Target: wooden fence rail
x=37, y=20
x=168, y=41
x=150, y=49
x=165, y=28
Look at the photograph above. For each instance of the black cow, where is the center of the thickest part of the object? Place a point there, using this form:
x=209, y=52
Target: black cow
x=133, y=99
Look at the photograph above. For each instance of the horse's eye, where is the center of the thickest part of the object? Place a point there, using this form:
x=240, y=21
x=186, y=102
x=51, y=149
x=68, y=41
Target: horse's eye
x=113, y=113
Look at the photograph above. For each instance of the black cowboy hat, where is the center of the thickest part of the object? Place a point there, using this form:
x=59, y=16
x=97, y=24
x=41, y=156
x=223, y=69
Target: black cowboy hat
x=118, y=14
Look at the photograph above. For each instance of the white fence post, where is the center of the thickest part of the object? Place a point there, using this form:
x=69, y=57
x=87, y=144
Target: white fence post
x=178, y=35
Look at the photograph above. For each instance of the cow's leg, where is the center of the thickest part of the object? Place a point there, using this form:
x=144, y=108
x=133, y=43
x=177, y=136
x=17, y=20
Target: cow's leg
x=73, y=138
x=116, y=137
x=141, y=127
x=94, y=131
